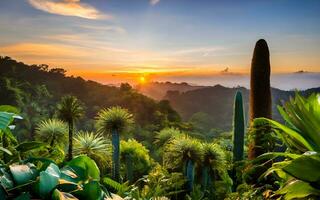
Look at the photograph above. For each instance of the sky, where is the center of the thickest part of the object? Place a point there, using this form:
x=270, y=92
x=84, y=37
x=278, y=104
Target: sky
x=114, y=41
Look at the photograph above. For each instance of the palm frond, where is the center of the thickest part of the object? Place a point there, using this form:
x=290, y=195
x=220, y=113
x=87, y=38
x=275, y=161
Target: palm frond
x=70, y=108
x=180, y=149
x=90, y=143
x=114, y=118
x=52, y=129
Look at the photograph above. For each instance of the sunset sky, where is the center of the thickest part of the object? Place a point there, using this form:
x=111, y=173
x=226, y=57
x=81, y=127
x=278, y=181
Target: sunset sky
x=112, y=40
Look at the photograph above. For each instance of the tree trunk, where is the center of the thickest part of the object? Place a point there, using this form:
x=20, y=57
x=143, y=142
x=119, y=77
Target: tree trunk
x=205, y=174
x=129, y=168
x=70, y=141
x=115, y=155
x=190, y=175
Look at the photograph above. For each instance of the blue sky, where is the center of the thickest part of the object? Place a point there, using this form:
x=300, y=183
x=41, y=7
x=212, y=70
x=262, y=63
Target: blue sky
x=100, y=37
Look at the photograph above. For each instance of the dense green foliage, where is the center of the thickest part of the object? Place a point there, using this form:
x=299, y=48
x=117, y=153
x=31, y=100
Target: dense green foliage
x=152, y=153
x=296, y=174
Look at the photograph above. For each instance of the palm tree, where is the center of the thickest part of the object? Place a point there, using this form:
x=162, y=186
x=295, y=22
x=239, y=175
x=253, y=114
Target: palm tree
x=52, y=131
x=70, y=109
x=114, y=121
x=95, y=146
x=183, y=152
x=213, y=164
x=90, y=143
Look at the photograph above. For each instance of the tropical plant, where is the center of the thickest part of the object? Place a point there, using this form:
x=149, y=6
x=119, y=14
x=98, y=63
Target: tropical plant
x=183, y=152
x=158, y=184
x=213, y=166
x=70, y=109
x=260, y=93
x=114, y=121
x=302, y=130
x=238, y=136
x=94, y=146
x=297, y=175
x=238, y=128
x=136, y=158
x=166, y=134
x=163, y=136
x=78, y=179
x=52, y=131
x=7, y=116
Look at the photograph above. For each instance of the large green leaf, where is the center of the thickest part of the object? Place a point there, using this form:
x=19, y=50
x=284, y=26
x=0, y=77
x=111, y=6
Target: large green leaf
x=7, y=151
x=23, y=173
x=49, y=179
x=28, y=146
x=5, y=179
x=57, y=195
x=293, y=134
x=68, y=186
x=273, y=155
x=5, y=120
x=306, y=168
x=85, y=166
x=9, y=109
x=91, y=191
x=69, y=174
x=297, y=189
x=24, y=196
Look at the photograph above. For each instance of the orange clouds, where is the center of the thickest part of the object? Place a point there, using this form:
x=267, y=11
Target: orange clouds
x=69, y=8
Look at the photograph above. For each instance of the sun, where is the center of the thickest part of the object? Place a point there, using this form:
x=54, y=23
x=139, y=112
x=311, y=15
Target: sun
x=142, y=80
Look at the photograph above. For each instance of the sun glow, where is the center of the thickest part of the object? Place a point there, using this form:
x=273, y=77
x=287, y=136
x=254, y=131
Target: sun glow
x=142, y=80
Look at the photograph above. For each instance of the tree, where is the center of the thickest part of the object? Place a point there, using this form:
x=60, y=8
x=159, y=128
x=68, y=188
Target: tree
x=213, y=165
x=183, y=152
x=114, y=121
x=52, y=131
x=70, y=109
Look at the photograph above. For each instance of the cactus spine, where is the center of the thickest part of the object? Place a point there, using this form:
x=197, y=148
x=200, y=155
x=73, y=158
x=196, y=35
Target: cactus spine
x=260, y=93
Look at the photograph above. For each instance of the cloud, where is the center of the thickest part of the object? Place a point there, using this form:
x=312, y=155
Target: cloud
x=204, y=51
x=68, y=8
x=115, y=29
x=154, y=2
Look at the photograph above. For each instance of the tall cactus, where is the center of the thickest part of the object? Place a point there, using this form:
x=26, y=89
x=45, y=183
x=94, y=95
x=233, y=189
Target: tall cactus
x=238, y=132
x=260, y=93
x=238, y=135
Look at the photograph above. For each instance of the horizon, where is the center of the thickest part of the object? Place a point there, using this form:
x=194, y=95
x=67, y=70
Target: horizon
x=160, y=40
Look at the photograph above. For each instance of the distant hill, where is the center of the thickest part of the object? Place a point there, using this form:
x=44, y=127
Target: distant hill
x=217, y=103
x=41, y=87
x=158, y=90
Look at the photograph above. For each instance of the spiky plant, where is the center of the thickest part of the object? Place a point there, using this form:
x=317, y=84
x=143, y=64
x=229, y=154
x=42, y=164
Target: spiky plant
x=52, y=131
x=70, y=109
x=114, y=121
x=166, y=134
x=137, y=159
x=260, y=93
x=90, y=143
x=95, y=146
x=183, y=152
x=213, y=165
